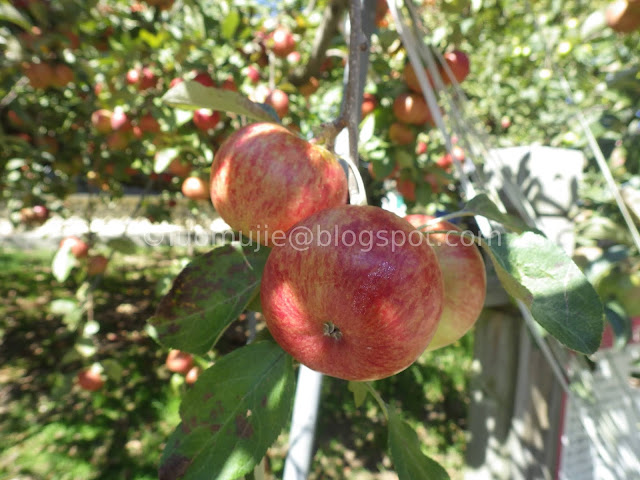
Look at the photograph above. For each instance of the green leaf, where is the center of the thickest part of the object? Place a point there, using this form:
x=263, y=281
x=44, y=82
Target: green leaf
x=230, y=24
x=409, y=461
x=482, y=205
x=8, y=13
x=123, y=245
x=207, y=296
x=153, y=40
x=538, y=272
x=63, y=262
x=232, y=414
x=163, y=159
x=69, y=310
x=359, y=390
x=193, y=95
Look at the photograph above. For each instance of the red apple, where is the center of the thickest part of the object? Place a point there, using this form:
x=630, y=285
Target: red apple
x=446, y=160
x=361, y=300
x=407, y=189
x=78, y=247
x=411, y=79
x=148, y=124
x=101, y=120
x=292, y=177
x=206, y=119
x=381, y=11
x=294, y=57
x=458, y=63
x=40, y=75
x=90, y=379
x=505, y=122
x=401, y=134
x=179, y=362
x=310, y=87
x=175, y=82
x=230, y=84
x=279, y=101
x=282, y=42
x=253, y=74
x=203, y=78
x=62, y=75
x=411, y=108
x=119, y=120
x=179, y=168
x=369, y=103
x=421, y=147
x=195, y=188
x=133, y=76
x=96, y=265
x=623, y=16
x=464, y=276
x=148, y=79
x=192, y=375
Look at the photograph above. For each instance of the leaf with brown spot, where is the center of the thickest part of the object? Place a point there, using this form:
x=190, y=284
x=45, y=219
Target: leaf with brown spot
x=235, y=411
x=207, y=296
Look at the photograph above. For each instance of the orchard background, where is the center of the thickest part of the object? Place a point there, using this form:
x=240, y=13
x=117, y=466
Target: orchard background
x=85, y=134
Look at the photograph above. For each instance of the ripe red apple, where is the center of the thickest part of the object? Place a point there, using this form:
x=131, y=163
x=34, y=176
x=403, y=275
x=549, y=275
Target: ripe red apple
x=148, y=79
x=253, y=74
x=192, y=375
x=179, y=362
x=623, y=16
x=411, y=108
x=348, y=304
x=458, y=63
x=407, y=188
x=401, y=134
x=310, y=87
x=62, y=75
x=79, y=248
x=206, y=119
x=101, y=120
x=282, y=42
x=175, y=82
x=133, y=76
x=230, y=84
x=369, y=103
x=294, y=57
x=179, y=168
x=465, y=281
x=446, y=160
x=195, y=188
x=203, y=78
x=421, y=147
x=279, y=101
x=40, y=75
x=119, y=120
x=381, y=11
x=148, y=124
x=96, y=265
x=411, y=79
x=505, y=122
x=90, y=379
x=292, y=177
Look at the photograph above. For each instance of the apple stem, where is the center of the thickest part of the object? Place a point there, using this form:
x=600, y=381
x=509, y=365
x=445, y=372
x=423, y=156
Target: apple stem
x=378, y=399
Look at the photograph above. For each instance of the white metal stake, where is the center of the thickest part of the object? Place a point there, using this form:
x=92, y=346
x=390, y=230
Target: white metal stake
x=303, y=424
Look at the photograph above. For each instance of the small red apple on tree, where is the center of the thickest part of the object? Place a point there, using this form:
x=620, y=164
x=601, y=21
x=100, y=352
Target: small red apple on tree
x=292, y=177
x=179, y=362
x=195, y=188
x=279, y=100
x=192, y=375
x=401, y=134
x=205, y=119
x=253, y=74
x=411, y=108
x=96, y=265
x=465, y=281
x=369, y=103
x=79, y=248
x=203, y=78
x=347, y=304
x=459, y=64
x=282, y=42
x=90, y=379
